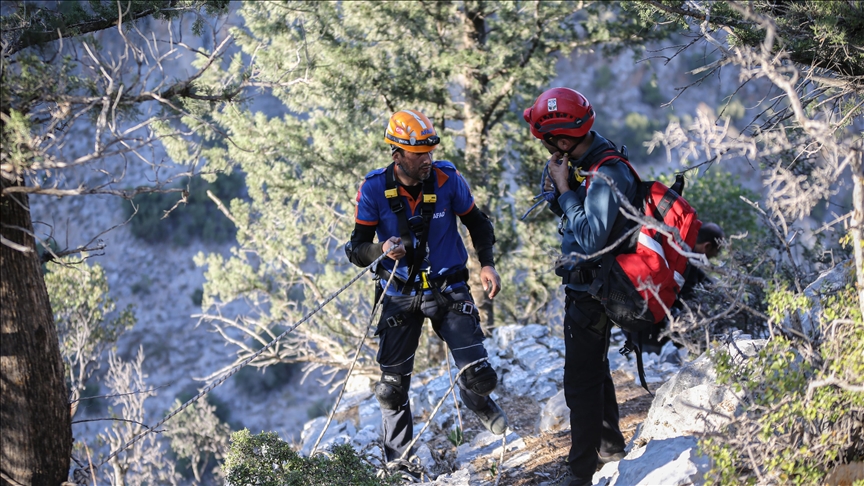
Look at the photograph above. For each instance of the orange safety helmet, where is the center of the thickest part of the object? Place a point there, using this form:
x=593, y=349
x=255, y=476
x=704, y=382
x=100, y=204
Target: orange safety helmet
x=412, y=131
x=560, y=111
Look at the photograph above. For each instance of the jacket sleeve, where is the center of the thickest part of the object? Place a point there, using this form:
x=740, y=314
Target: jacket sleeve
x=360, y=249
x=482, y=235
x=591, y=219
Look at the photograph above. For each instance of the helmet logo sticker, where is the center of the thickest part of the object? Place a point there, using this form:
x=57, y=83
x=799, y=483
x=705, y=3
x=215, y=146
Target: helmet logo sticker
x=552, y=104
x=399, y=131
x=426, y=132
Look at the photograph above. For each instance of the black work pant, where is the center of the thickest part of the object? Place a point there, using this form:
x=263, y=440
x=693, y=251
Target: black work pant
x=588, y=386
x=398, y=345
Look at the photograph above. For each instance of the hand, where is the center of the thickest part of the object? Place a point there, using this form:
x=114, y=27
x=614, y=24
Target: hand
x=559, y=171
x=491, y=281
x=548, y=185
x=397, y=253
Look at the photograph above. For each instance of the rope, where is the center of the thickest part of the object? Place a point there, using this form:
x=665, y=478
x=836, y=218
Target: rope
x=501, y=459
x=237, y=368
x=356, y=355
x=440, y=402
x=455, y=402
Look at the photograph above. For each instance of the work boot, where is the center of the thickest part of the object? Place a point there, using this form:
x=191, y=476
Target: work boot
x=492, y=417
x=611, y=457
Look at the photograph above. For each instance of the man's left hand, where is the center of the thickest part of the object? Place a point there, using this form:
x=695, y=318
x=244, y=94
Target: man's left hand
x=491, y=281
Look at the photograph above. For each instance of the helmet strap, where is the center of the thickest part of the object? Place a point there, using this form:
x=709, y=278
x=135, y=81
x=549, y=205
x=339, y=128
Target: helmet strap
x=577, y=141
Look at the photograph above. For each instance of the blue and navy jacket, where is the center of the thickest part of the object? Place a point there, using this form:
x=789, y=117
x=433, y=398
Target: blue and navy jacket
x=447, y=253
x=589, y=216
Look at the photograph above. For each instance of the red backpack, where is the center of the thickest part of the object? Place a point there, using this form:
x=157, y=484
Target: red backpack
x=639, y=283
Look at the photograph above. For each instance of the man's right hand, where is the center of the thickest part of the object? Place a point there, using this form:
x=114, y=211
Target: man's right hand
x=398, y=252
x=559, y=171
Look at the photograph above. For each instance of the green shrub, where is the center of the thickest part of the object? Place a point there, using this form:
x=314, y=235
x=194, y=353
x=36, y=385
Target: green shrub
x=256, y=381
x=794, y=404
x=603, y=78
x=266, y=460
x=651, y=93
x=199, y=218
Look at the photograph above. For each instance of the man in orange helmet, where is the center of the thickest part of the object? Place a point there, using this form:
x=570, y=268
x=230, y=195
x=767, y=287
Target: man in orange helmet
x=562, y=118
x=413, y=205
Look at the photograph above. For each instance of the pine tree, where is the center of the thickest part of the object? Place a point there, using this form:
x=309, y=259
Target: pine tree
x=333, y=72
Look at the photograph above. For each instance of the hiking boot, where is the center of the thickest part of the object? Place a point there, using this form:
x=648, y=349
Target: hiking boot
x=408, y=471
x=493, y=418
x=612, y=457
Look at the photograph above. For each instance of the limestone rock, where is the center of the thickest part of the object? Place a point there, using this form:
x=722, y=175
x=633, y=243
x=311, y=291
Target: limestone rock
x=672, y=461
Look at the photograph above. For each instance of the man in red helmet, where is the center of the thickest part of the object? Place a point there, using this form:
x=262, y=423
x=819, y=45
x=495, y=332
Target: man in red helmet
x=562, y=118
x=413, y=205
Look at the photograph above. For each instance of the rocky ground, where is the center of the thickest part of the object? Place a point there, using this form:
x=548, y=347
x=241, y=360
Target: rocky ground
x=549, y=449
x=529, y=361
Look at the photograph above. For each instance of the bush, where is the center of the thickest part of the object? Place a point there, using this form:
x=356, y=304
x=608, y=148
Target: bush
x=266, y=460
x=802, y=416
x=199, y=218
x=256, y=381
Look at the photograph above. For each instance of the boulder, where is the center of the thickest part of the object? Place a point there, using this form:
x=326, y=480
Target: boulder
x=555, y=415
x=692, y=401
x=672, y=462
x=828, y=282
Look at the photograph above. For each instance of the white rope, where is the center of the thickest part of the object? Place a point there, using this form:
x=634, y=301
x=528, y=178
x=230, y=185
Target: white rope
x=354, y=362
x=237, y=368
x=440, y=402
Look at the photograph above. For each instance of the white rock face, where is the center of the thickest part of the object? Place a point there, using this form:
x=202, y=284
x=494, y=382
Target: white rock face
x=828, y=282
x=670, y=462
x=555, y=415
x=692, y=401
x=530, y=363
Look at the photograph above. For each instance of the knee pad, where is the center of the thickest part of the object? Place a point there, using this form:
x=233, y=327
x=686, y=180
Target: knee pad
x=390, y=392
x=480, y=379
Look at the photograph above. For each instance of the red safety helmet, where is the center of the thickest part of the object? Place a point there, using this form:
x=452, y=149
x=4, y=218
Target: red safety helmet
x=560, y=111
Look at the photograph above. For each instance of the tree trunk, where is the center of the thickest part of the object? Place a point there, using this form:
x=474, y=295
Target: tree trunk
x=856, y=228
x=474, y=131
x=35, y=425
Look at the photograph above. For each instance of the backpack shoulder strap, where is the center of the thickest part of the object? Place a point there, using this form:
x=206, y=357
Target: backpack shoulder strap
x=606, y=156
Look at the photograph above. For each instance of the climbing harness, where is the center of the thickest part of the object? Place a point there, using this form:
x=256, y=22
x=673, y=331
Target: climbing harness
x=414, y=226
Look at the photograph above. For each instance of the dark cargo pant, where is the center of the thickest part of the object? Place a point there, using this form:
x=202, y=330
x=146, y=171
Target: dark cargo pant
x=398, y=345
x=588, y=386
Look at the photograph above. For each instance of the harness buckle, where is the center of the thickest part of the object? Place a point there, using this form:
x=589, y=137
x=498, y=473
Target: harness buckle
x=465, y=307
x=625, y=350
x=394, y=321
x=425, y=281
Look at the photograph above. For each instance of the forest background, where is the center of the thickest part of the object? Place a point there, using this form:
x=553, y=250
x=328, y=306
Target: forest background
x=239, y=132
